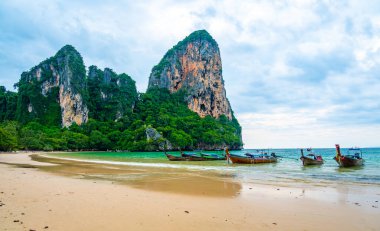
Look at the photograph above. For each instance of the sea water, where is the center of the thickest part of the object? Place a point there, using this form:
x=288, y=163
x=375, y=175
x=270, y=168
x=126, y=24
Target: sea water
x=287, y=170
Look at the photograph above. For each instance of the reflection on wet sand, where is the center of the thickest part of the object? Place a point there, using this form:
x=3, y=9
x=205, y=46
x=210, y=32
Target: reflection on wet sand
x=181, y=181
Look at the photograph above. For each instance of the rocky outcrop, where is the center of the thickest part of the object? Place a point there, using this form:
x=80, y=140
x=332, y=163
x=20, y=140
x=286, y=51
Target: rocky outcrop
x=72, y=86
x=153, y=135
x=58, y=80
x=194, y=65
x=57, y=91
x=111, y=95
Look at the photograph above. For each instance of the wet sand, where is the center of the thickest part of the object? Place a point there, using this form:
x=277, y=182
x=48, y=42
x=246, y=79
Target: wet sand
x=53, y=194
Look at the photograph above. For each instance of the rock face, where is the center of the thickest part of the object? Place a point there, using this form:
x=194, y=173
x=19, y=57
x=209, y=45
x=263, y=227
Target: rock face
x=72, y=83
x=58, y=80
x=194, y=65
x=153, y=135
x=111, y=95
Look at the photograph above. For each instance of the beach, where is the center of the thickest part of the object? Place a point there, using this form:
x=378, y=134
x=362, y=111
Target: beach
x=38, y=193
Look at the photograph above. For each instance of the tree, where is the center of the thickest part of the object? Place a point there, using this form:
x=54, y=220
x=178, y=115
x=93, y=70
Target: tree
x=31, y=138
x=76, y=141
x=8, y=104
x=181, y=140
x=98, y=141
x=8, y=142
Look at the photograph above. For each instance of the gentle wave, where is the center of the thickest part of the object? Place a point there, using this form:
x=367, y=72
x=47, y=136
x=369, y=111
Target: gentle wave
x=139, y=164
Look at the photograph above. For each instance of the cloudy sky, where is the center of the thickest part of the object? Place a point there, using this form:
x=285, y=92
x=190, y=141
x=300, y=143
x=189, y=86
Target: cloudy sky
x=298, y=73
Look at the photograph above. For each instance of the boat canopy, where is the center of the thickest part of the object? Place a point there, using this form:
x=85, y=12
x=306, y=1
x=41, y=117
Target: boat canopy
x=354, y=152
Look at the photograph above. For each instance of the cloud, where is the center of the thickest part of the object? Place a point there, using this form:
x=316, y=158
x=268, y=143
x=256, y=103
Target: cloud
x=287, y=65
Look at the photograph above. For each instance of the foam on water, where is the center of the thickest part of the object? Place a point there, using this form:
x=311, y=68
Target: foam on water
x=138, y=164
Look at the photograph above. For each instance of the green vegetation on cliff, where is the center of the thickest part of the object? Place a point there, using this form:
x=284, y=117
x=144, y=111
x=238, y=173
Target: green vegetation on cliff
x=38, y=89
x=110, y=95
x=185, y=129
x=8, y=104
x=70, y=62
x=33, y=106
x=157, y=108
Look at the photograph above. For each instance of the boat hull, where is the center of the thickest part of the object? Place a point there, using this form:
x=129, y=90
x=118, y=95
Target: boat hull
x=246, y=160
x=175, y=158
x=309, y=161
x=186, y=157
x=202, y=157
x=192, y=157
x=345, y=161
x=210, y=157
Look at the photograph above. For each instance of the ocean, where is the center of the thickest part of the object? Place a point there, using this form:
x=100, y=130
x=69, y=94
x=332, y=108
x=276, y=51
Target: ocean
x=287, y=170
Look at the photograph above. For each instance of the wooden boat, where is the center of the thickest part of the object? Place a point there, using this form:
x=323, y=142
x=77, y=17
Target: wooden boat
x=311, y=159
x=208, y=156
x=203, y=156
x=251, y=159
x=175, y=158
x=353, y=157
x=185, y=157
x=192, y=156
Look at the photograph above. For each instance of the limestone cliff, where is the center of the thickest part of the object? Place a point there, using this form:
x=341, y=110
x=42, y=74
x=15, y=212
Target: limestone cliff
x=111, y=95
x=194, y=65
x=55, y=90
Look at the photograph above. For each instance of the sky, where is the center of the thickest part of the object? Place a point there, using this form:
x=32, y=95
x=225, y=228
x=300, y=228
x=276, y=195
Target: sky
x=298, y=73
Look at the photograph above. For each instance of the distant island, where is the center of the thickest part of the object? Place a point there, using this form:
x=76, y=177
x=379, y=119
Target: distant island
x=62, y=106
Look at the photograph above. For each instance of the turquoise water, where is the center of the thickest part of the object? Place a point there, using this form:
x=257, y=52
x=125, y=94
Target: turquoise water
x=289, y=168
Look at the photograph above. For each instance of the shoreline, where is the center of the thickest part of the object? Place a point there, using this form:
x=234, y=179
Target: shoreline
x=65, y=200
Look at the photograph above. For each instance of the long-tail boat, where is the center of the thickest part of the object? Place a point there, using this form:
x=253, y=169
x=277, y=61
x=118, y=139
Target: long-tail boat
x=183, y=157
x=311, y=158
x=250, y=158
x=203, y=156
x=195, y=157
x=192, y=156
x=212, y=156
x=353, y=157
x=175, y=158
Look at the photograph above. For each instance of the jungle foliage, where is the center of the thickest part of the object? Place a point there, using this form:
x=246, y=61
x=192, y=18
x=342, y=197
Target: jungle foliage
x=157, y=108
